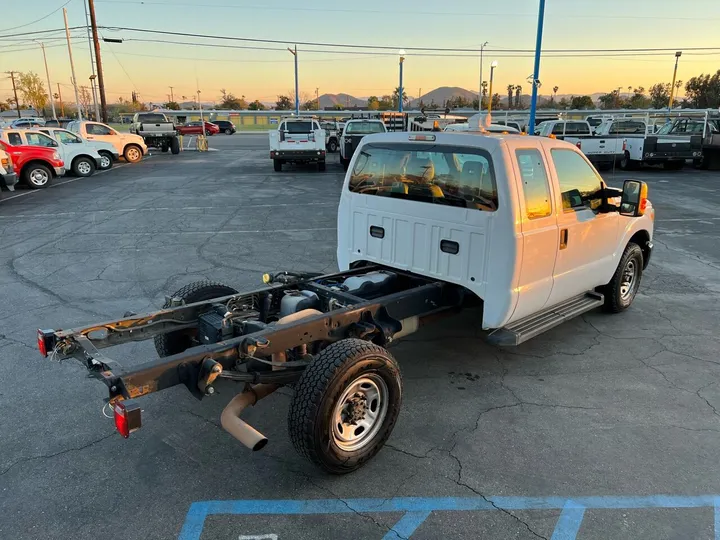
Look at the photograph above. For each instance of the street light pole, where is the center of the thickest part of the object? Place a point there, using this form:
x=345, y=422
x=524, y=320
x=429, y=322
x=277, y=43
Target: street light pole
x=72, y=66
x=482, y=48
x=536, y=69
x=493, y=65
x=297, y=87
x=47, y=74
x=400, y=88
x=678, y=54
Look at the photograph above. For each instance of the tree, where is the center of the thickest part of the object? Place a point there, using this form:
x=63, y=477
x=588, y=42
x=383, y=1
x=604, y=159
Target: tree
x=229, y=101
x=582, y=102
x=84, y=97
x=283, y=103
x=310, y=105
x=387, y=103
x=510, y=90
x=373, y=103
x=611, y=100
x=554, y=96
x=405, y=99
x=496, y=101
x=703, y=91
x=33, y=90
x=172, y=105
x=659, y=95
x=638, y=100
x=256, y=106
x=563, y=103
x=518, y=93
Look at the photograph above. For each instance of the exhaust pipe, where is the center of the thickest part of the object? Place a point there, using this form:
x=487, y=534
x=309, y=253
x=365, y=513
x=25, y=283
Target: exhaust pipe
x=230, y=417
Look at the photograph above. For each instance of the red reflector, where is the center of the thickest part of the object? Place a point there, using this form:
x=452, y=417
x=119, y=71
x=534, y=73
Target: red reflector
x=127, y=417
x=41, y=342
x=578, y=144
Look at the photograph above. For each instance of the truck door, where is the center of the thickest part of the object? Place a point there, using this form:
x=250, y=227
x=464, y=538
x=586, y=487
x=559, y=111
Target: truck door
x=587, y=240
x=539, y=231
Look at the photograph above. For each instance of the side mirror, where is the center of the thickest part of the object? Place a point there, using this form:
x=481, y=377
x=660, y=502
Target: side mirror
x=634, y=198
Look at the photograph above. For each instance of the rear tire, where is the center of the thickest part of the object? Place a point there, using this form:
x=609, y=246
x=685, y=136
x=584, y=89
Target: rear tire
x=345, y=405
x=164, y=147
x=83, y=167
x=628, y=164
x=176, y=342
x=228, y=131
x=321, y=166
x=621, y=291
x=133, y=153
x=332, y=146
x=277, y=165
x=37, y=176
x=175, y=145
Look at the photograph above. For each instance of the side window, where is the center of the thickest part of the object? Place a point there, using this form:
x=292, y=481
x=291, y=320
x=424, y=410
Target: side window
x=38, y=139
x=579, y=183
x=98, y=129
x=581, y=129
x=67, y=138
x=535, y=183
x=558, y=129
x=15, y=139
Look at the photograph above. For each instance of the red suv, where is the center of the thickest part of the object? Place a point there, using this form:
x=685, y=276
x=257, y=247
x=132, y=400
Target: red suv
x=35, y=165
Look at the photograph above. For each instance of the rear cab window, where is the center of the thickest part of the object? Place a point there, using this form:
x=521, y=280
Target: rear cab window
x=151, y=118
x=579, y=183
x=364, y=128
x=435, y=174
x=298, y=127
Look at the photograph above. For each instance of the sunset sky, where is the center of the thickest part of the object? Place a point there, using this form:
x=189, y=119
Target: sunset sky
x=149, y=68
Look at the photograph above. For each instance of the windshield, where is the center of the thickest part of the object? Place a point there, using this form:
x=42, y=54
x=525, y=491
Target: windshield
x=364, y=128
x=437, y=174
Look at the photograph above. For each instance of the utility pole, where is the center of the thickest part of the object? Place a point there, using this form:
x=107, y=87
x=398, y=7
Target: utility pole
x=72, y=65
x=297, y=88
x=17, y=103
x=172, y=96
x=47, y=74
x=62, y=107
x=317, y=97
x=92, y=65
x=678, y=54
x=101, y=80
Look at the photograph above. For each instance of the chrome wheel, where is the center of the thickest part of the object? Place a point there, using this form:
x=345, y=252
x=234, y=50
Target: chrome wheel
x=629, y=280
x=39, y=177
x=84, y=168
x=360, y=412
x=105, y=162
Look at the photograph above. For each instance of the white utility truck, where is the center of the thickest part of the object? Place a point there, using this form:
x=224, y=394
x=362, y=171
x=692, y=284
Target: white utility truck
x=601, y=149
x=428, y=223
x=298, y=139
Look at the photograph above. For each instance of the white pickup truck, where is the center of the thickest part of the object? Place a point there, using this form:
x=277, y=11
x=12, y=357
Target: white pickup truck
x=602, y=150
x=298, y=140
x=522, y=228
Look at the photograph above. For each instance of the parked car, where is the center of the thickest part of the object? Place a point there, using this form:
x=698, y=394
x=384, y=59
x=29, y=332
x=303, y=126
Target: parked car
x=132, y=147
x=27, y=122
x=157, y=130
x=108, y=153
x=196, y=128
x=82, y=159
x=8, y=176
x=227, y=127
x=36, y=165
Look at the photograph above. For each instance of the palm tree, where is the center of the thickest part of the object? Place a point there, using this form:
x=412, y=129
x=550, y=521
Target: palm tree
x=555, y=89
x=510, y=89
x=518, y=92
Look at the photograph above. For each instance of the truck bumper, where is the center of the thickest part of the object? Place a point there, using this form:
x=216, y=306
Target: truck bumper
x=298, y=155
x=8, y=181
x=60, y=171
x=657, y=157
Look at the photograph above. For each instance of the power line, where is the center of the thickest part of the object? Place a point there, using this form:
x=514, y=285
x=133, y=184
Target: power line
x=395, y=48
x=36, y=32
x=36, y=20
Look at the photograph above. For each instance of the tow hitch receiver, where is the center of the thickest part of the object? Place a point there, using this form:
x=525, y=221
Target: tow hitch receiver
x=127, y=417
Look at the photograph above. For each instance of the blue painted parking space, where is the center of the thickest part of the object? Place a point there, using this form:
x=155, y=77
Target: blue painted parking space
x=417, y=509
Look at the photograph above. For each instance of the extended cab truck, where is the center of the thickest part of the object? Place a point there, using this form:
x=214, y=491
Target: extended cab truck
x=35, y=165
x=602, y=150
x=82, y=158
x=8, y=176
x=130, y=146
x=353, y=133
x=157, y=130
x=521, y=227
x=298, y=140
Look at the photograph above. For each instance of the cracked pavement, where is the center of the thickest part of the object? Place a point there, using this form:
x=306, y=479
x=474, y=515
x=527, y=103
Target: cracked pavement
x=603, y=405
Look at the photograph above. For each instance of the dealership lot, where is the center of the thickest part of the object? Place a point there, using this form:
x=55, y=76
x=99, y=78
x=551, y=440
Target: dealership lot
x=498, y=443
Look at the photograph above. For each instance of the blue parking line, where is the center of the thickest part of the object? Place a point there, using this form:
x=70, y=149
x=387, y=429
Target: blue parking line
x=569, y=522
x=417, y=509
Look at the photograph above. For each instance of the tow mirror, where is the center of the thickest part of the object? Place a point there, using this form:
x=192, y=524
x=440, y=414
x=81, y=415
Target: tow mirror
x=634, y=198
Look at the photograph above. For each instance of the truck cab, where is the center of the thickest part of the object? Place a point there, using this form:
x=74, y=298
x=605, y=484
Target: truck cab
x=298, y=140
x=353, y=133
x=524, y=223
x=129, y=145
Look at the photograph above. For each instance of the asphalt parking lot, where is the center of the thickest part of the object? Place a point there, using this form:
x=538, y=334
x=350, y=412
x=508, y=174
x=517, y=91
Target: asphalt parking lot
x=605, y=427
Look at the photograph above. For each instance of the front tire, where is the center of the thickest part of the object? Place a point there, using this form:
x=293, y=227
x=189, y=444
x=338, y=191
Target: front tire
x=621, y=291
x=132, y=153
x=228, y=131
x=345, y=405
x=175, y=145
x=37, y=176
x=83, y=167
x=176, y=342
x=106, y=161
x=277, y=165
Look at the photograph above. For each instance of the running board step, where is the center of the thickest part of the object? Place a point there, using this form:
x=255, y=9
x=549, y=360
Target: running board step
x=529, y=327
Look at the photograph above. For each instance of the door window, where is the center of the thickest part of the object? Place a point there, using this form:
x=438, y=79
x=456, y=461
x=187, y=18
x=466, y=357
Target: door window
x=579, y=128
x=558, y=129
x=40, y=139
x=98, y=129
x=579, y=183
x=535, y=183
x=15, y=139
x=66, y=137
